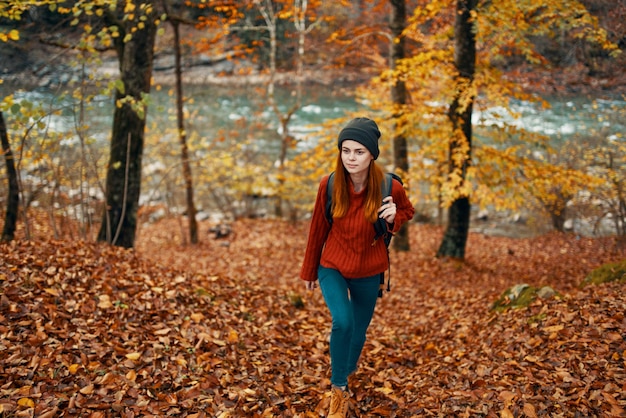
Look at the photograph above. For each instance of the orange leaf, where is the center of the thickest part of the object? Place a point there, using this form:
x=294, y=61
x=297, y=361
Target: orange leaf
x=27, y=402
x=529, y=410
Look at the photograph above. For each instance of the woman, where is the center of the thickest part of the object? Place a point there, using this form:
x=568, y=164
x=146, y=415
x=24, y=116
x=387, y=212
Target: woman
x=344, y=258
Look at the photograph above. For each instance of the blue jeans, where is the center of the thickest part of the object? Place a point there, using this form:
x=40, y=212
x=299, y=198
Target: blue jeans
x=351, y=303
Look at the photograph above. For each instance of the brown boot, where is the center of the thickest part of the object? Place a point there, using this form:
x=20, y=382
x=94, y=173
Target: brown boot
x=338, y=403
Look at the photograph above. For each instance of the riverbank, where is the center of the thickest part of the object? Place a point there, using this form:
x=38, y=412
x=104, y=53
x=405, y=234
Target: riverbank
x=30, y=63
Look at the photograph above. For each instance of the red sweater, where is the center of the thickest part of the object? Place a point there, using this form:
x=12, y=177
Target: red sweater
x=347, y=246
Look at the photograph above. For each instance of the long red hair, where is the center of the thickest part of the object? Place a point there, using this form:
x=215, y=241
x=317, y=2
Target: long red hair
x=341, y=197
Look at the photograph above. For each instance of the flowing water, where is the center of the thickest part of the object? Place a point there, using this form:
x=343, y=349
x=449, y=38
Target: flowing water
x=214, y=108
x=217, y=107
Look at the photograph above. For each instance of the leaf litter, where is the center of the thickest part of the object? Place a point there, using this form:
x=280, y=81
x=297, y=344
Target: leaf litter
x=226, y=329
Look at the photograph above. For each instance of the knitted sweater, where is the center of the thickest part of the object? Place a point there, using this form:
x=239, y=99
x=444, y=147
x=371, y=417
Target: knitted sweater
x=347, y=246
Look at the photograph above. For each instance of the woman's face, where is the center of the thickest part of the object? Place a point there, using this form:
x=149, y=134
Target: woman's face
x=355, y=157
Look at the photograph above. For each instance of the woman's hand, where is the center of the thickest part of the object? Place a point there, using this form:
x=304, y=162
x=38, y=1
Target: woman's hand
x=311, y=285
x=388, y=210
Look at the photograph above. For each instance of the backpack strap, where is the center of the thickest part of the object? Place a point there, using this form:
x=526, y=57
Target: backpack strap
x=380, y=226
x=382, y=229
x=329, y=198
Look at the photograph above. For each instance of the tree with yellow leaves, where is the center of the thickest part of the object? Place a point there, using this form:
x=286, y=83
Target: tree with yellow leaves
x=455, y=68
x=12, y=11
x=130, y=28
x=272, y=21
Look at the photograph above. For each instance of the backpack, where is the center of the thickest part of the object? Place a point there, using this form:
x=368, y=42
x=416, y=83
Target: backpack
x=380, y=226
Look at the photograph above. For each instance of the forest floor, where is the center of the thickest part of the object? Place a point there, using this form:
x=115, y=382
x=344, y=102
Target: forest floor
x=225, y=329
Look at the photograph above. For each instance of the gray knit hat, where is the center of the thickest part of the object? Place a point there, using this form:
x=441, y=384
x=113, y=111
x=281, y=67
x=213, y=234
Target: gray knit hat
x=364, y=131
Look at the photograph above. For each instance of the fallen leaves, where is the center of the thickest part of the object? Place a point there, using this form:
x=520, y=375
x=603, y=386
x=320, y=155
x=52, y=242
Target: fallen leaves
x=214, y=331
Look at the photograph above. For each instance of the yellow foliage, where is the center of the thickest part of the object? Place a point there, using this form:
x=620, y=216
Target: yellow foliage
x=507, y=164
x=26, y=402
x=14, y=35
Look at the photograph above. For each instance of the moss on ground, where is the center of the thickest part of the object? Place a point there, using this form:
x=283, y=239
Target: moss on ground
x=612, y=272
x=521, y=296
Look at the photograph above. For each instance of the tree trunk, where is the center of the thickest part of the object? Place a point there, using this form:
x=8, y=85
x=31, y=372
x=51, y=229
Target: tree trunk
x=123, y=183
x=191, y=208
x=455, y=237
x=558, y=221
x=398, y=98
x=460, y=114
x=557, y=208
x=13, y=200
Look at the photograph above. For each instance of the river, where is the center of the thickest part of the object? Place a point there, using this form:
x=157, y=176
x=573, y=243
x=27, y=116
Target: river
x=218, y=107
x=213, y=108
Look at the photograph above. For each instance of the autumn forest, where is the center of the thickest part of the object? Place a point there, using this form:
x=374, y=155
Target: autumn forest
x=150, y=251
